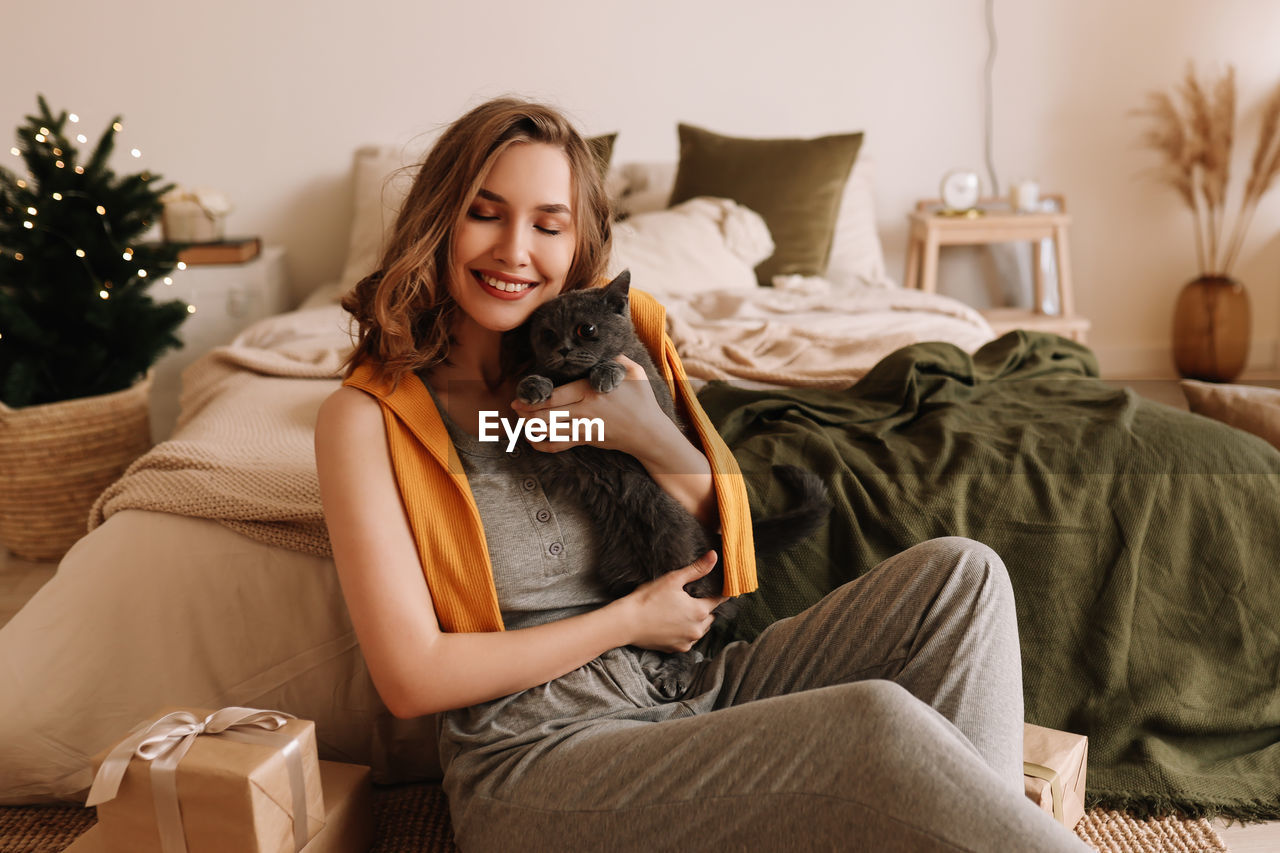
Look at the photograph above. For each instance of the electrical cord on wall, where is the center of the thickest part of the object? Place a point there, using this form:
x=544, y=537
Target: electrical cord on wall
x=991, y=61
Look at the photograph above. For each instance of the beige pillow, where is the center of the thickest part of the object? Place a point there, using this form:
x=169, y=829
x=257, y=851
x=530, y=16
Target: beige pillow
x=382, y=178
x=702, y=244
x=1252, y=408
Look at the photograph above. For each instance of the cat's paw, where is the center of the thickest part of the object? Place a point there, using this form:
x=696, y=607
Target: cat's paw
x=534, y=389
x=676, y=674
x=607, y=375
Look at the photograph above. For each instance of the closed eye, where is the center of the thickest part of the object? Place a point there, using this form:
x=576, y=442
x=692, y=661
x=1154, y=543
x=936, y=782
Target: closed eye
x=473, y=215
x=549, y=231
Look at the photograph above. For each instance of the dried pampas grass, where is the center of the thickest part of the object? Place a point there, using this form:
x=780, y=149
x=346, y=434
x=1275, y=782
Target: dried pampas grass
x=1194, y=139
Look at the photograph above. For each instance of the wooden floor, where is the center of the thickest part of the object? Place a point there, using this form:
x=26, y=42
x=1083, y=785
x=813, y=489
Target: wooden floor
x=20, y=579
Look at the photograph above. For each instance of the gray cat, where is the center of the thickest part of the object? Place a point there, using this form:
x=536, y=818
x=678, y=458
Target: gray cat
x=649, y=533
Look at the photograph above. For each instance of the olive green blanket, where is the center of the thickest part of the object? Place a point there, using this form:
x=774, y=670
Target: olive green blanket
x=1143, y=543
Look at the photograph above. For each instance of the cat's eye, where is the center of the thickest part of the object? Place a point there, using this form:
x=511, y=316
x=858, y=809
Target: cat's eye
x=548, y=337
x=586, y=331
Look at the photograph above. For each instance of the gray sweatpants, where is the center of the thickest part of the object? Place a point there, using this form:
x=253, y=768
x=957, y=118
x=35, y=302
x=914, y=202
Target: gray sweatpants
x=886, y=717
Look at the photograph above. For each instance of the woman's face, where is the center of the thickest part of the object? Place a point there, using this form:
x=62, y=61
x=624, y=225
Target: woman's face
x=514, y=245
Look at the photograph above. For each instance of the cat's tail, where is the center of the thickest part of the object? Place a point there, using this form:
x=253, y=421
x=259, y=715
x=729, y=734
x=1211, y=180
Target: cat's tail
x=806, y=514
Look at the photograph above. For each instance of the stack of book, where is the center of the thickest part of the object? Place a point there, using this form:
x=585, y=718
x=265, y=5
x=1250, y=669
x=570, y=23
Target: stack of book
x=235, y=250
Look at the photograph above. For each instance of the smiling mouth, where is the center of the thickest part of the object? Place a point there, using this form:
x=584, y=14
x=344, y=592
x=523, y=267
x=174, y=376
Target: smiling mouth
x=500, y=284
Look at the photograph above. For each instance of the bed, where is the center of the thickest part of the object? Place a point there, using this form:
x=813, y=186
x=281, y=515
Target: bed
x=1143, y=542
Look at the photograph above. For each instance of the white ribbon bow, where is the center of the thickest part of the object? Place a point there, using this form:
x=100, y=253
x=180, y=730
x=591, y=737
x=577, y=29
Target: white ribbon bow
x=165, y=742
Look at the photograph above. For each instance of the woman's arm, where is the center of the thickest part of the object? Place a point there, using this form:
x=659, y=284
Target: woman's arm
x=634, y=423
x=416, y=667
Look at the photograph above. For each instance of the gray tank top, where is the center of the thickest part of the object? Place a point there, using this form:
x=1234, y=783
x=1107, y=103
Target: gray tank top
x=542, y=549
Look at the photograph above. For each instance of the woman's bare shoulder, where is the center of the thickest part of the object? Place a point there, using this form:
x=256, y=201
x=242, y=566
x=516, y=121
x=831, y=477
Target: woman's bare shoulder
x=350, y=427
x=348, y=408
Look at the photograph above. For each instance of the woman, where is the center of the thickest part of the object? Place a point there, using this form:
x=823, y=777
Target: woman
x=888, y=716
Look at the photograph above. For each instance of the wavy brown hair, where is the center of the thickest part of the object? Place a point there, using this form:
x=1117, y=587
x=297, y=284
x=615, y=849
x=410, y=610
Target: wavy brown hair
x=404, y=312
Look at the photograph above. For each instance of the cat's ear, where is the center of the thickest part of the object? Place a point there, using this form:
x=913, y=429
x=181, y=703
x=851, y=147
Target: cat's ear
x=618, y=293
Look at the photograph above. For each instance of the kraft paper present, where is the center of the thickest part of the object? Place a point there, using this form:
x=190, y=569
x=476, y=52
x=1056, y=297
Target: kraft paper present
x=231, y=794
x=348, y=817
x=1054, y=765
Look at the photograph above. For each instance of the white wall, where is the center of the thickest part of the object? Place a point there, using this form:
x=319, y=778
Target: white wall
x=268, y=100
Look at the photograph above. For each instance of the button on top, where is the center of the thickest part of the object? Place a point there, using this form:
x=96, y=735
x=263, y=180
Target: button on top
x=530, y=484
x=554, y=549
x=543, y=515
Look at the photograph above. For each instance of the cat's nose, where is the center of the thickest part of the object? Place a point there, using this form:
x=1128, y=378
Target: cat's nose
x=565, y=350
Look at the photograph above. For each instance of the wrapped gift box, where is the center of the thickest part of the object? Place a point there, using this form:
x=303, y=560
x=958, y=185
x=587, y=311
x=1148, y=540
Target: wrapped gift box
x=1054, y=765
x=348, y=816
x=231, y=795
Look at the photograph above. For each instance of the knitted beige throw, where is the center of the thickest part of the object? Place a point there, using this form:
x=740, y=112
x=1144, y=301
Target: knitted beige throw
x=243, y=451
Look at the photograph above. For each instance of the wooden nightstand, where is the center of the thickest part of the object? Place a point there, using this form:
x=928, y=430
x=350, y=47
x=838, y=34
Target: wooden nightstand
x=228, y=298
x=930, y=230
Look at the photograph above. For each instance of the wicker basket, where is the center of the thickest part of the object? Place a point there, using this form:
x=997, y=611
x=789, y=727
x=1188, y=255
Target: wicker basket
x=56, y=459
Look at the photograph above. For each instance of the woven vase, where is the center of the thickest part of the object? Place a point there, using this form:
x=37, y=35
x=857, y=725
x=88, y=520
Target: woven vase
x=56, y=458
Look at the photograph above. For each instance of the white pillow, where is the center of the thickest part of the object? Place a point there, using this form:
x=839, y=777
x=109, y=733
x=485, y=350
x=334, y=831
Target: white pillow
x=702, y=244
x=856, y=256
x=383, y=177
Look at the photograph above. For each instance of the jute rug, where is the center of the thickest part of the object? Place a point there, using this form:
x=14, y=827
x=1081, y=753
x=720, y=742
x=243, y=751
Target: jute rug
x=415, y=819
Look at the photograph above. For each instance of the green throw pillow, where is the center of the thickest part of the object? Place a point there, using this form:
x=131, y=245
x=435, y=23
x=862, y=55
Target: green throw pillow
x=602, y=147
x=795, y=184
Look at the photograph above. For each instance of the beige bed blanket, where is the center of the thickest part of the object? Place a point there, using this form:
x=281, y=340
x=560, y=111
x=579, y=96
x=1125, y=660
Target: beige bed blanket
x=808, y=331
x=243, y=451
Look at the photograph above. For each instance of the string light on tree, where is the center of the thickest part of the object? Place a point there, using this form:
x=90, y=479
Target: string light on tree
x=89, y=223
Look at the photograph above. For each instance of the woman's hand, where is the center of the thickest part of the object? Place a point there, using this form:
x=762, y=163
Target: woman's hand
x=664, y=617
x=633, y=420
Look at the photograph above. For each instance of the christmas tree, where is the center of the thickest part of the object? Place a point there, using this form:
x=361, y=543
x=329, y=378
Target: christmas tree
x=76, y=319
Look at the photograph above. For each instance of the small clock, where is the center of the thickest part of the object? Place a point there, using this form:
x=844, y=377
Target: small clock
x=961, y=189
